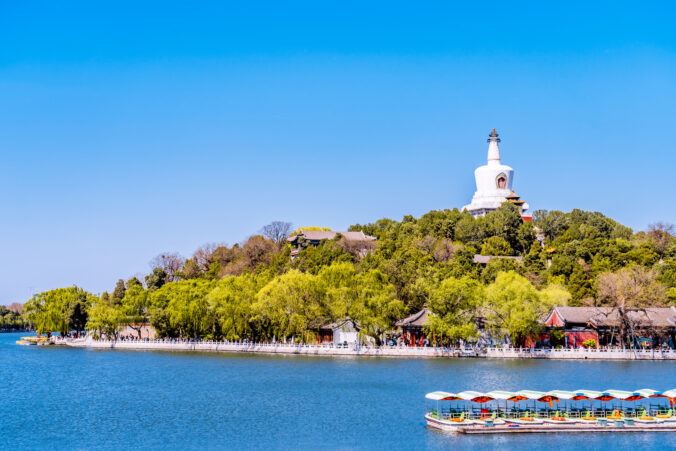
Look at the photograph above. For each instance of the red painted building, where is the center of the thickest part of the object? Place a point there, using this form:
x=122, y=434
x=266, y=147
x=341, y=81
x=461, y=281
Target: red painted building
x=411, y=328
x=602, y=324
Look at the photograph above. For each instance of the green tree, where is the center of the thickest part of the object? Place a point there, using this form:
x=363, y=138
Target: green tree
x=135, y=306
x=60, y=310
x=555, y=295
x=454, y=304
x=290, y=305
x=156, y=279
x=232, y=301
x=515, y=307
x=580, y=285
x=118, y=292
x=497, y=265
x=10, y=318
x=104, y=319
x=376, y=307
x=506, y=223
x=551, y=223
x=187, y=311
x=496, y=245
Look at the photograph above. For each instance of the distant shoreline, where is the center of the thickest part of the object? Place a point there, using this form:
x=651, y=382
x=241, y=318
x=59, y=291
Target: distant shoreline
x=370, y=351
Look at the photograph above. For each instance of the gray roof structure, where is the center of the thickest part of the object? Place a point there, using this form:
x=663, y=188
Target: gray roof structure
x=484, y=259
x=662, y=318
x=318, y=235
x=416, y=320
x=340, y=323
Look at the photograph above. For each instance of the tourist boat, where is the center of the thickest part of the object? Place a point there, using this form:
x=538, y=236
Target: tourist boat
x=483, y=421
x=669, y=415
x=527, y=417
x=448, y=422
x=506, y=396
x=644, y=418
x=560, y=416
x=572, y=412
x=485, y=416
x=563, y=416
x=588, y=415
x=489, y=418
x=663, y=415
x=33, y=341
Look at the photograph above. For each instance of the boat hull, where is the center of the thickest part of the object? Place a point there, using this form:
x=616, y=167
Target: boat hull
x=496, y=421
x=524, y=422
x=566, y=421
x=655, y=421
x=445, y=425
x=594, y=421
x=667, y=420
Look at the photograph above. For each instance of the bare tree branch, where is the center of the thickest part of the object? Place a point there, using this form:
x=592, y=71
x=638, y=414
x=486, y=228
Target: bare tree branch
x=660, y=233
x=277, y=231
x=171, y=263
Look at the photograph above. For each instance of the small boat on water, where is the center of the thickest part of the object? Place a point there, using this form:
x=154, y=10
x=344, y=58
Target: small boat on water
x=33, y=341
x=450, y=421
x=584, y=410
x=559, y=420
x=524, y=420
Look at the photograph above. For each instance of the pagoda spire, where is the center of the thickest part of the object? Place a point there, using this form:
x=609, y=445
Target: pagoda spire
x=493, y=149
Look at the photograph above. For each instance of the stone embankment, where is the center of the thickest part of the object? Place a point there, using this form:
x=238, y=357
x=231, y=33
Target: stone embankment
x=371, y=351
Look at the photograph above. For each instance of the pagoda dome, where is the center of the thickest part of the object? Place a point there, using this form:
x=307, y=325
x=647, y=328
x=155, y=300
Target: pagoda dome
x=493, y=181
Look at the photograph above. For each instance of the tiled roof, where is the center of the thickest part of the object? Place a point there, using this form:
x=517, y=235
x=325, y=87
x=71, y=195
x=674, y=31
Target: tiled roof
x=338, y=324
x=484, y=259
x=416, y=320
x=608, y=316
x=318, y=235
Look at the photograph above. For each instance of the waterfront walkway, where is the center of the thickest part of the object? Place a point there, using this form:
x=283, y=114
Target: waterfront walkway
x=371, y=351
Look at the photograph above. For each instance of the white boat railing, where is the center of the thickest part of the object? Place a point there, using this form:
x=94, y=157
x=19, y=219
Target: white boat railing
x=573, y=413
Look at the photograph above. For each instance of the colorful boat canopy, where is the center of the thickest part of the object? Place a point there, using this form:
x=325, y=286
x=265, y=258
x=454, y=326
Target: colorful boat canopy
x=593, y=394
x=670, y=393
x=553, y=395
x=624, y=395
x=442, y=396
x=505, y=395
x=649, y=393
x=537, y=395
x=562, y=394
x=474, y=396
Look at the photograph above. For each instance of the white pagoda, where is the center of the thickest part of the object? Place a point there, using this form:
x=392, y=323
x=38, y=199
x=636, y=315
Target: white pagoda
x=494, y=184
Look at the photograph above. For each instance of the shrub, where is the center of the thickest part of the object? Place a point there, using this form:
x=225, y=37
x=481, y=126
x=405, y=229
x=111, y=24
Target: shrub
x=591, y=343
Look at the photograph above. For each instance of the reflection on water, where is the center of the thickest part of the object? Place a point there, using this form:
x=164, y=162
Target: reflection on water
x=74, y=398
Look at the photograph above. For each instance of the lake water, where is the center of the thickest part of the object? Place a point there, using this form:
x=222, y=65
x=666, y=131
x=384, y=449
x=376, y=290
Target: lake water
x=55, y=397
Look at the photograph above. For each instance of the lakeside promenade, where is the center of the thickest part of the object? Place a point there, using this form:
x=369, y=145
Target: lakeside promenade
x=370, y=351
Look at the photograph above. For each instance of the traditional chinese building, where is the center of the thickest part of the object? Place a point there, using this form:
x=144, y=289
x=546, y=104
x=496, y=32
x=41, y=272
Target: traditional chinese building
x=411, y=328
x=359, y=240
x=340, y=332
x=654, y=326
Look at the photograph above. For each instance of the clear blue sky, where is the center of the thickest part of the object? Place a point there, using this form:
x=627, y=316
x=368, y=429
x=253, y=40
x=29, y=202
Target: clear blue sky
x=138, y=128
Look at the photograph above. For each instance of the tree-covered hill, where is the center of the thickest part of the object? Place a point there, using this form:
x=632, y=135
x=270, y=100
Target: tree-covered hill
x=10, y=317
x=256, y=290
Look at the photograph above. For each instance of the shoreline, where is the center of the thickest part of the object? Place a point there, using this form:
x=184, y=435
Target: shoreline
x=369, y=351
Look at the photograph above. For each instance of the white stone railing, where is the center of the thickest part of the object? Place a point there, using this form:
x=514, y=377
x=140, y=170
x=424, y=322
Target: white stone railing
x=365, y=350
x=582, y=353
x=271, y=348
